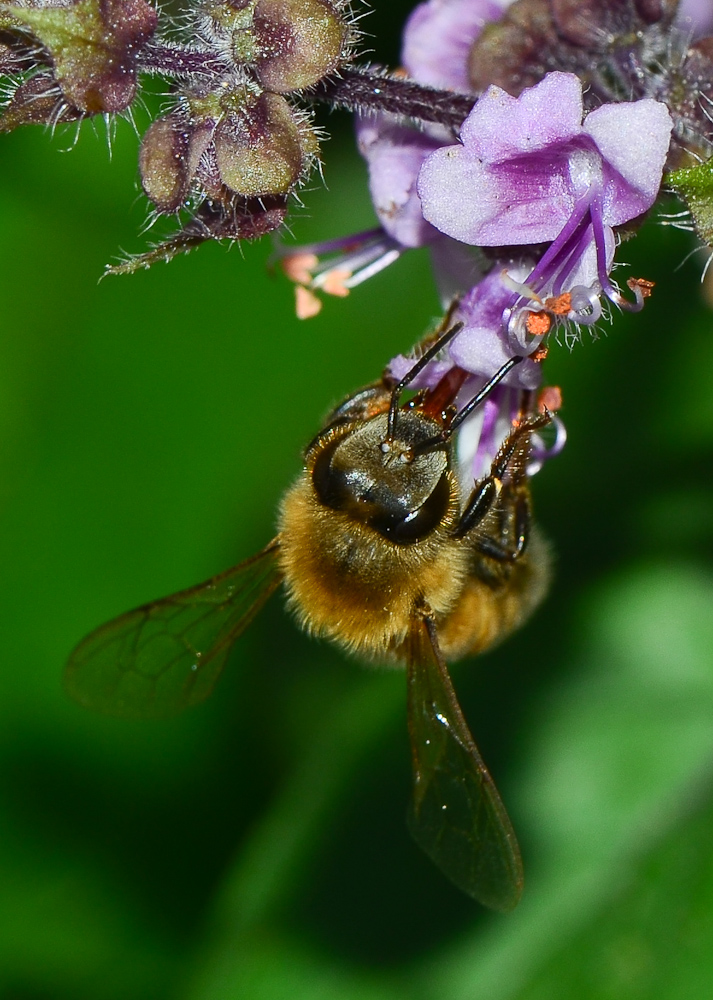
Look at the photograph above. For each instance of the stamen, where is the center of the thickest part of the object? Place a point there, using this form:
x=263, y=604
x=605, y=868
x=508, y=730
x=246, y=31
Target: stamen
x=550, y=399
x=559, y=305
x=334, y=281
x=538, y=324
x=540, y=452
x=581, y=242
x=586, y=305
x=608, y=287
x=307, y=304
x=641, y=287
x=544, y=266
x=299, y=266
x=377, y=265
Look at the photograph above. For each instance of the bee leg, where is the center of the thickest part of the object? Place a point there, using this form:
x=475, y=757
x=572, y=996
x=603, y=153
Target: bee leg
x=512, y=458
x=480, y=503
x=515, y=531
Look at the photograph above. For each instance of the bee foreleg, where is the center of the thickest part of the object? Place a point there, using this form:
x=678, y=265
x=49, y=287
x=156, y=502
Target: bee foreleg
x=480, y=503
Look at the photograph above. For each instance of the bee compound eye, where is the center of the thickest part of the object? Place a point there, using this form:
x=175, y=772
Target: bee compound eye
x=418, y=524
x=329, y=483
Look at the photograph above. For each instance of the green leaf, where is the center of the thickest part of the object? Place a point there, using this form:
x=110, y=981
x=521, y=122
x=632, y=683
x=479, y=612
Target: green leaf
x=695, y=186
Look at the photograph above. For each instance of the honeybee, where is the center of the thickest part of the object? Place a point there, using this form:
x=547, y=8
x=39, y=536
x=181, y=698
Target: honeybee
x=382, y=549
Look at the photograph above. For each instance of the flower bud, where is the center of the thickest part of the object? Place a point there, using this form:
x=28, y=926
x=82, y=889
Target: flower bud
x=93, y=46
x=591, y=39
x=224, y=144
x=13, y=60
x=163, y=164
x=653, y=11
x=688, y=96
x=299, y=42
x=596, y=26
x=262, y=147
x=169, y=158
x=507, y=53
x=37, y=101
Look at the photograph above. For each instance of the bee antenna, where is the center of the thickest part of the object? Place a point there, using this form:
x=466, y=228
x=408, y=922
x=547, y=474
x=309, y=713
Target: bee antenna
x=440, y=439
x=411, y=374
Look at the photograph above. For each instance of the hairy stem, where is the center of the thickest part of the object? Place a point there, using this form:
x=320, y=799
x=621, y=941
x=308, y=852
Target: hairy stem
x=178, y=60
x=364, y=88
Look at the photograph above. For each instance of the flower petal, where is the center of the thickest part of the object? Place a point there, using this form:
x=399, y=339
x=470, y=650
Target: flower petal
x=501, y=127
x=394, y=155
x=633, y=140
x=482, y=351
x=695, y=15
x=438, y=37
x=524, y=201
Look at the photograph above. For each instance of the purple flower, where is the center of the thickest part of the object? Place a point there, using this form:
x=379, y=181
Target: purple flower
x=529, y=170
x=482, y=347
x=529, y=161
x=394, y=154
x=696, y=16
x=477, y=353
x=438, y=37
x=336, y=266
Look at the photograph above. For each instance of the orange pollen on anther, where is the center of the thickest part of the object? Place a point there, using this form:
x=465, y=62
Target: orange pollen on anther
x=538, y=324
x=307, y=304
x=333, y=282
x=559, y=305
x=299, y=266
x=540, y=353
x=550, y=399
x=645, y=287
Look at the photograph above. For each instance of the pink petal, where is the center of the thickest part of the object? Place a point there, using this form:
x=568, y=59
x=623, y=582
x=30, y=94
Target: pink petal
x=521, y=202
x=633, y=140
x=500, y=126
x=438, y=37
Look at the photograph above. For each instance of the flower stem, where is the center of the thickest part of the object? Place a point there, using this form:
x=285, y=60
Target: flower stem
x=178, y=60
x=365, y=88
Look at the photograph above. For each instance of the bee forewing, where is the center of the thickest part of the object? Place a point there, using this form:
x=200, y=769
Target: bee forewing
x=167, y=655
x=456, y=816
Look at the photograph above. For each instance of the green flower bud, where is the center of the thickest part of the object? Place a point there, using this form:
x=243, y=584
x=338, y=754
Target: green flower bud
x=163, y=164
x=262, y=147
x=225, y=143
x=93, y=46
x=300, y=41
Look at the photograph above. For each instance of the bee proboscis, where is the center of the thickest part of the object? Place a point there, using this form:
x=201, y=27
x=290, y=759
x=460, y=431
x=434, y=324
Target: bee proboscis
x=381, y=549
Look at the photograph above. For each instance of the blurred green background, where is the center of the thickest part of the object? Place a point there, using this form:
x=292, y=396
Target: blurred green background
x=256, y=847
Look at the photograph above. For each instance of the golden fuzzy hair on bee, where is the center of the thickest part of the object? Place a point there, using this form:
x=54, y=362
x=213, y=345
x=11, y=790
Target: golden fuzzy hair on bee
x=346, y=582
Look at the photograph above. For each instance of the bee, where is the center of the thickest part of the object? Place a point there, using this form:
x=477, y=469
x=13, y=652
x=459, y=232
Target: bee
x=382, y=550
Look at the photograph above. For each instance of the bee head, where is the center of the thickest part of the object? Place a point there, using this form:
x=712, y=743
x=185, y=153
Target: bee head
x=384, y=480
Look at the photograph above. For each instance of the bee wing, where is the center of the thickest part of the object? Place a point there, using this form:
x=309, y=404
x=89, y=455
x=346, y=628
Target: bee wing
x=164, y=656
x=456, y=816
